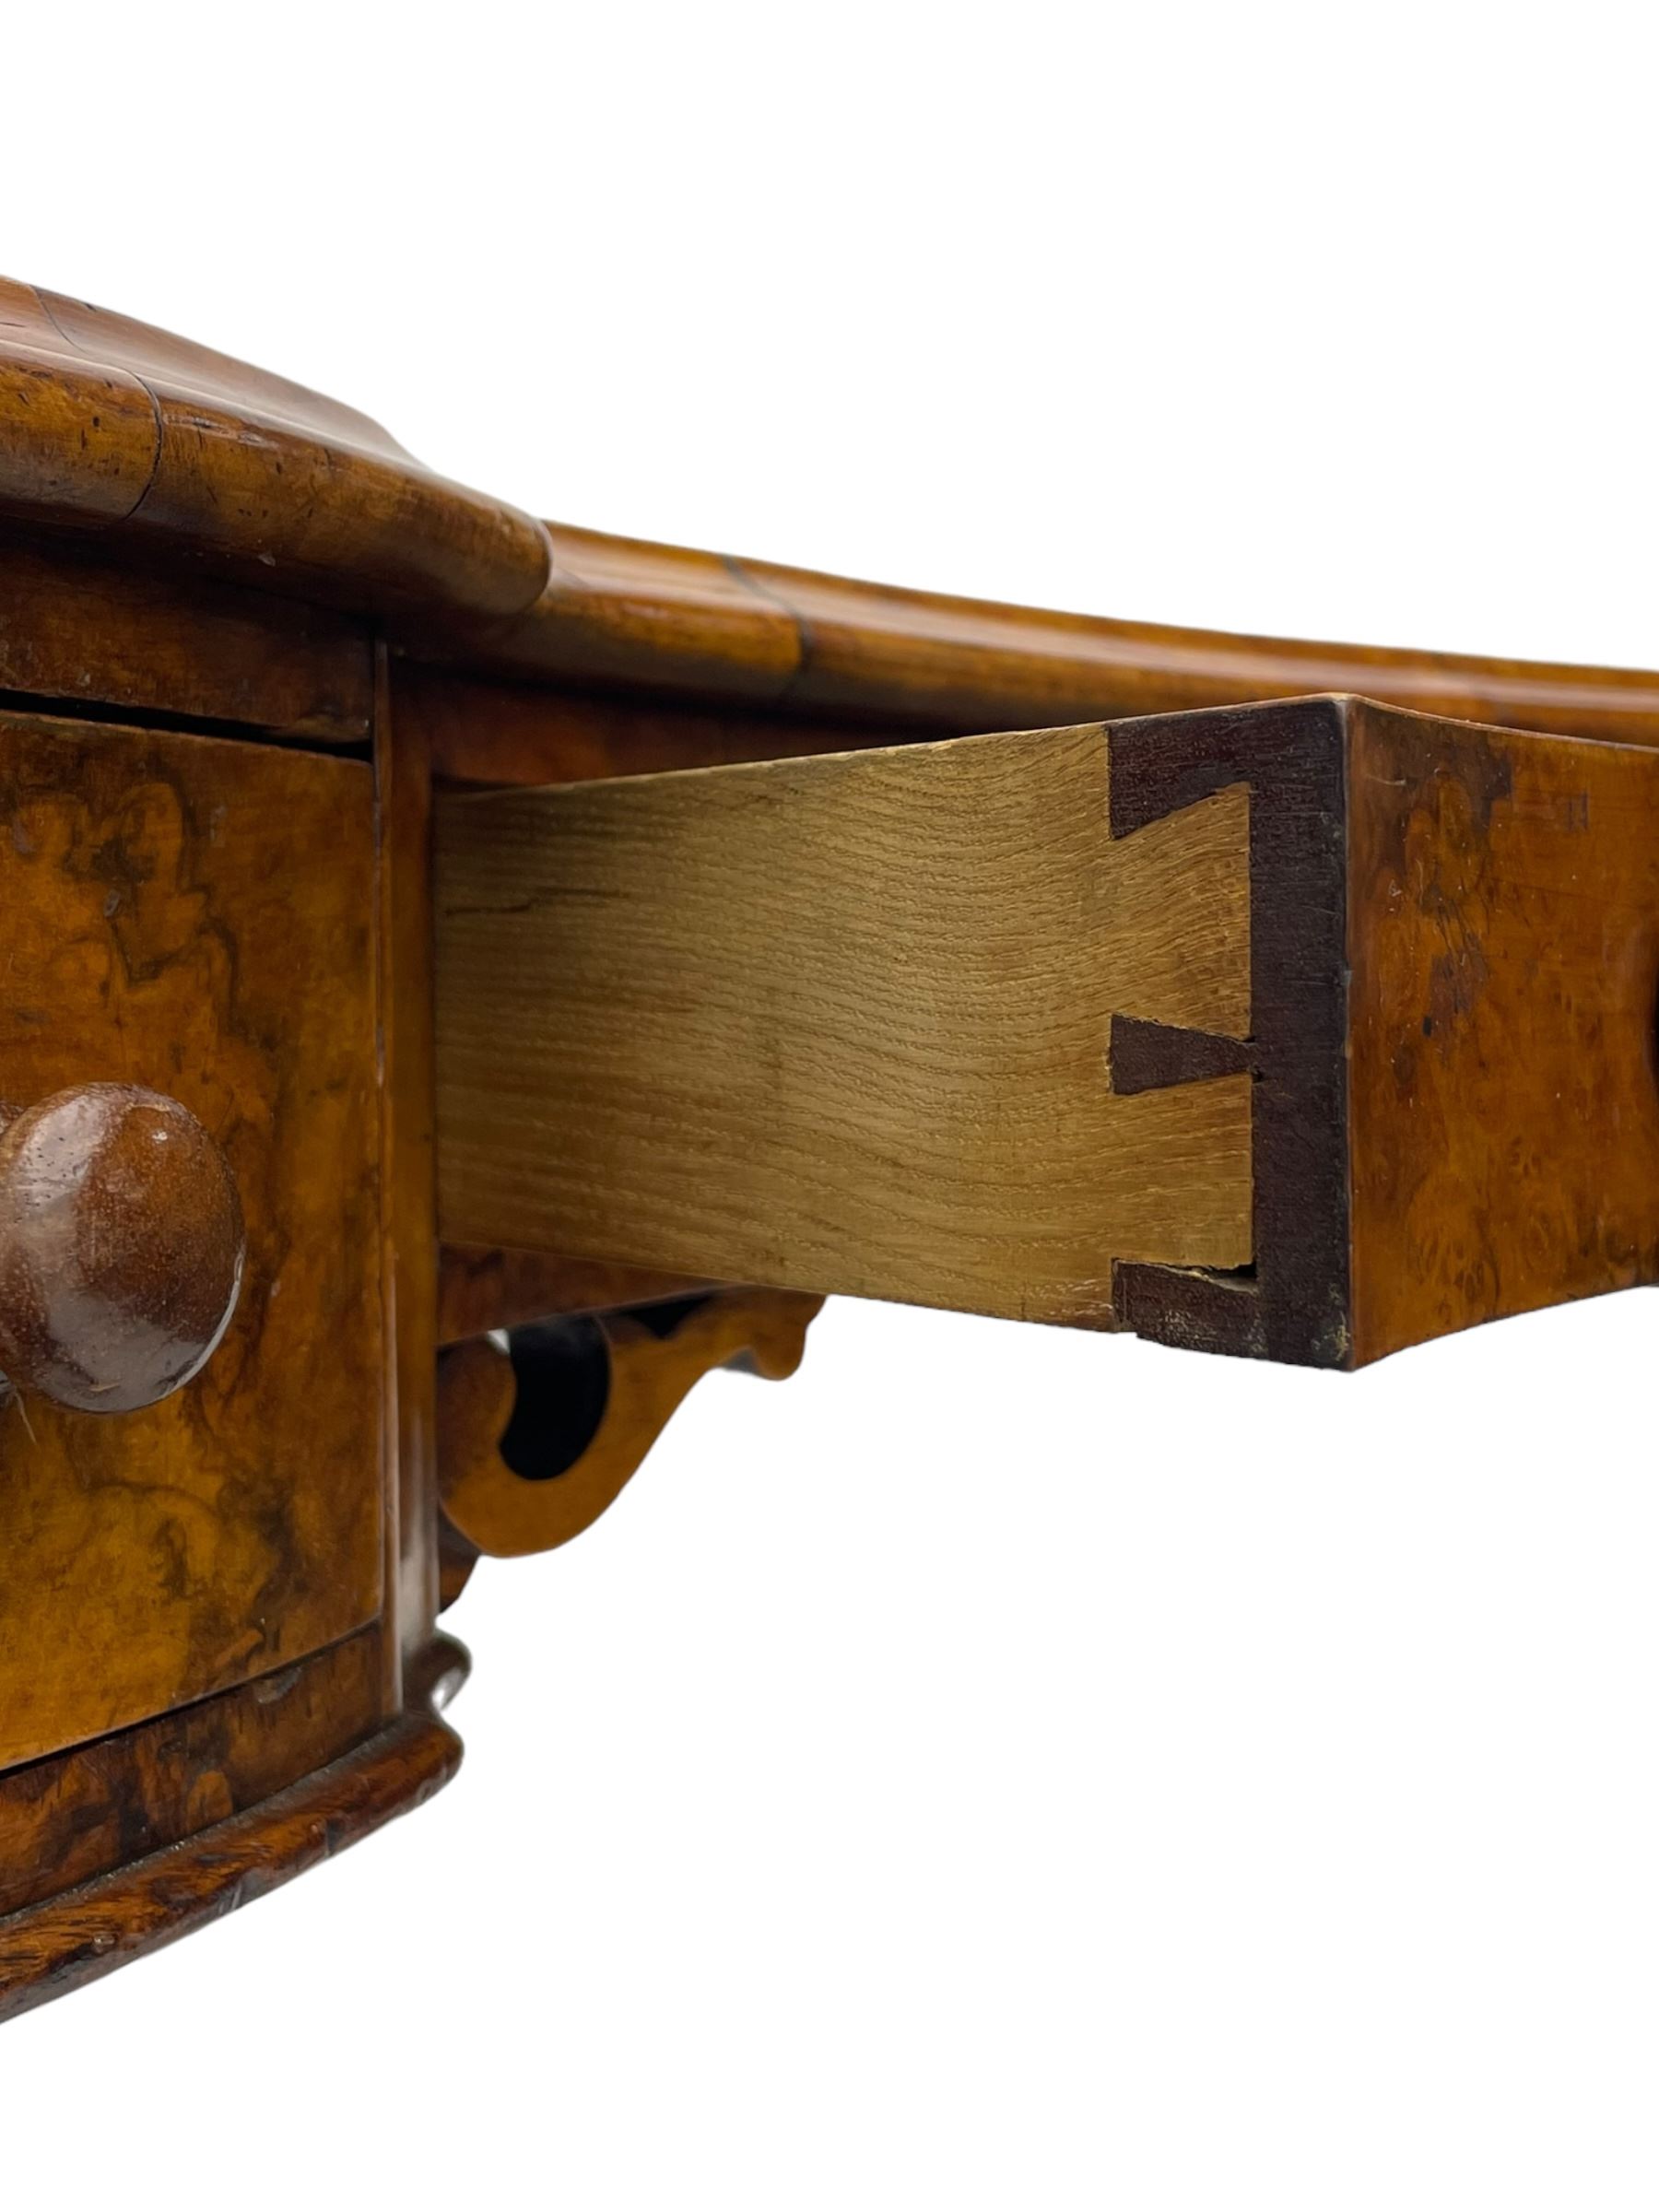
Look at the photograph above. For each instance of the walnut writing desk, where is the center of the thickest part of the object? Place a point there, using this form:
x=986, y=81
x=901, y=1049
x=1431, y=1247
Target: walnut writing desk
x=466, y=977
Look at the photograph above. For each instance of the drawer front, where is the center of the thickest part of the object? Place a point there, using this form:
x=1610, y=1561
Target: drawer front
x=195, y=915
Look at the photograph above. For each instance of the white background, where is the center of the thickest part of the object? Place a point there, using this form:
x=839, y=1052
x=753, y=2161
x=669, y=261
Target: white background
x=998, y=1768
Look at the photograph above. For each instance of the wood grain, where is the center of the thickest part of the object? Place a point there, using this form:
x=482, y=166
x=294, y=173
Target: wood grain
x=107, y=423
x=78, y=631
x=1293, y=1302
x=1504, y=919
x=668, y=623
x=620, y=603
x=842, y=1025
x=195, y=915
x=973, y=662
x=80, y=436
x=408, y=1244
x=183, y=454
x=507, y=1513
x=54, y=1947
x=482, y=730
x=68, y=1819
x=482, y=1288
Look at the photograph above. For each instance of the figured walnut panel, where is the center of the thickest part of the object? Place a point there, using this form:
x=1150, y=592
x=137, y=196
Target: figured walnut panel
x=1504, y=922
x=51, y=1948
x=68, y=1819
x=196, y=915
x=842, y=1025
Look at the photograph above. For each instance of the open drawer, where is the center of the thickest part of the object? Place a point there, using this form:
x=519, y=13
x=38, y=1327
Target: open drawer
x=1286, y=1030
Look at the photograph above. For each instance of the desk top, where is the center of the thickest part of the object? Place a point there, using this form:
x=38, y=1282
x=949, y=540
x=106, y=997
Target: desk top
x=155, y=446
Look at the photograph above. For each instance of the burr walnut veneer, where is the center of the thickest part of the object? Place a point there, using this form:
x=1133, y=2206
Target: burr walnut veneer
x=466, y=977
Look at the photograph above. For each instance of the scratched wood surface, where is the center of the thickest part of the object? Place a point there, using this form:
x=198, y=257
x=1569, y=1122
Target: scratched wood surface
x=843, y=1024
x=196, y=915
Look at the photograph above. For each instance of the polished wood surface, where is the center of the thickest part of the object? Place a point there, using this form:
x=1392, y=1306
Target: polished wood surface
x=506, y=1510
x=1504, y=903
x=408, y=1250
x=74, y=1939
x=107, y=423
x=195, y=916
x=842, y=1025
x=615, y=608
x=81, y=630
x=81, y=437
x=663, y=620
x=69, y=1819
x=484, y=730
x=122, y=1247
x=164, y=447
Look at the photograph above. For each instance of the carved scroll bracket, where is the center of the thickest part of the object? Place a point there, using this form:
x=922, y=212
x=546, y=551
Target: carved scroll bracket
x=536, y=1440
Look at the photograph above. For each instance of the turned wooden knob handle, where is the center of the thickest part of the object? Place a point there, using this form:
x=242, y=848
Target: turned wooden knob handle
x=121, y=1247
